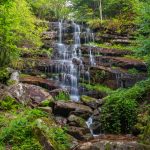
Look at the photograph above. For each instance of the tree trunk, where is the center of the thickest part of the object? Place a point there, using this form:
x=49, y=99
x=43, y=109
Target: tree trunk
x=100, y=10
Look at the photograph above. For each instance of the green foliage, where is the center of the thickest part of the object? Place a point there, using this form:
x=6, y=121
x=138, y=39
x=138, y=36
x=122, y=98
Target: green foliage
x=60, y=138
x=4, y=75
x=17, y=29
x=37, y=52
x=119, y=113
x=62, y=96
x=11, y=82
x=18, y=131
x=133, y=71
x=114, y=46
x=143, y=123
x=143, y=21
x=97, y=87
x=50, y=9
x=8, y=103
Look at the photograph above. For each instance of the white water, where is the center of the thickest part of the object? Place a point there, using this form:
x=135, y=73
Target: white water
x=68, y=59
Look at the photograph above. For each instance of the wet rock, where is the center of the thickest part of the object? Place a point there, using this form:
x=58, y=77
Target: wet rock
x=76, y=61
x=50, y=85
x=64, y=108
x=76, y=121
x=79, y=133
x=114, y=77
x=29, y=94
x=89, y=101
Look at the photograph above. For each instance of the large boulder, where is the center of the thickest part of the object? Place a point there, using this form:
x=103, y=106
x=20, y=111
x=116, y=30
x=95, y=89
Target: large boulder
x=65, y=108
x=79, y=133
x=77, y=121
x=29, y=94
x=50, y=85
x=90, y=101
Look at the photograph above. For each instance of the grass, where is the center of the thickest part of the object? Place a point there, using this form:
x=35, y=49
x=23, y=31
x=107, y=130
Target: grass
x=118, y=47
x=97, y=87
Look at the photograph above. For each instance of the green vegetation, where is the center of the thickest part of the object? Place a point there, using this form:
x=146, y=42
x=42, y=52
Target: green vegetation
x=20, y=128
x=8, y=103
x=50, y=9
x=17, y=29
x=133, y=71
x=118, y=47
x=119, y=113
x=4, y=75
x=143, y=124
x=64, y=96
x=97, y=87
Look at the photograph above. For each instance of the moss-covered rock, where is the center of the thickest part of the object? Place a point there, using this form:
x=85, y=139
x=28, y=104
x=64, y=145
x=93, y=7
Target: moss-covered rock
x=89, y=101
x=77, y=121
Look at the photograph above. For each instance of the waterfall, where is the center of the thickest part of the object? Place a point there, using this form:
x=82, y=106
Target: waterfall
x=67, y=58
x=89, y=37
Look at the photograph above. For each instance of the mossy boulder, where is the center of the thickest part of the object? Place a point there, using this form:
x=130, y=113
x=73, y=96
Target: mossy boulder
x=89, y=101
x=77, y=121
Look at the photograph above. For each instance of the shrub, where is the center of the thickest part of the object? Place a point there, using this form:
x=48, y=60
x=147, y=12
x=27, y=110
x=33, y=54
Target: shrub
x=119, y=113
x=8, y=103
x=143, y=124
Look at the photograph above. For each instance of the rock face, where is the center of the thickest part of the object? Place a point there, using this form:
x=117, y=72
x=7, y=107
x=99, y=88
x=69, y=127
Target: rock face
x=123, y=62
x=64, y=108
x=29, y=94
x=106, y=51
x=114, y=77
x=50, y=85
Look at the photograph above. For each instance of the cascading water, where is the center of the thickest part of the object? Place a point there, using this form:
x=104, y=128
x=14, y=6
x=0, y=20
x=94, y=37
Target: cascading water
x=68, y=59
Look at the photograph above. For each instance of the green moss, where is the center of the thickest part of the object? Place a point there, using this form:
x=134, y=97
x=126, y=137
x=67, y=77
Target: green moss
x=87, y=99
x=11, y=82
x=78, y=120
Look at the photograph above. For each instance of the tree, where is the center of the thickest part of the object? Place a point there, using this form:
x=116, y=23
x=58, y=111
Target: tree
x=50, y=9
x=144, y=28
x=17, y=29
